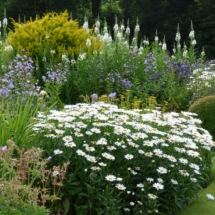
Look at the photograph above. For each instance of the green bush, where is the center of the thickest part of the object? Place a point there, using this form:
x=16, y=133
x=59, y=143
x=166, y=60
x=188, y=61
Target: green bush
x=205, y=108
x=18, y=208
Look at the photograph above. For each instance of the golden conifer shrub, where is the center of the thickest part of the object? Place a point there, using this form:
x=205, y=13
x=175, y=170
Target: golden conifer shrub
x=54, y=34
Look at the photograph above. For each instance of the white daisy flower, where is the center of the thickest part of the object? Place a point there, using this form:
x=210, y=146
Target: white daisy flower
x=59, y=132
x=152, y=196
x=194, y=166
x=120, y=186
x=193, y=180
x=183, y=160
x=209, y=196
x=110, y=178
x=70, y=144
x=118, y=179
x=150, y=179
x=174, y=181
x=80, y=152
x=102, y=164
x=50, y=135
x=67, y=138
x=78, y=134
x=160, y=180
x=91, y=158
x=184, y=172
x=129, y=156
x=95, y=130
x=126, y=209
x=108, y=156
x=197, y=172
x=102, y=141
x=172, y=159
x=57, y=151
x=158, y=186
x=95, y=168
x=162, y=170
x=90, y=148
x=148, y=154
x=192, y=153
x=89, y=133
x=141, y=151
x=158, y=152
x=111, y=148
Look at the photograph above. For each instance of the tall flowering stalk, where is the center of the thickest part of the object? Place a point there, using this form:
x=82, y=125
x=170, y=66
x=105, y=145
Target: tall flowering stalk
x=192, y=44
x=136, y=31
x=54, y=80
x=127, y=31
x=164, y=46
x=4, y=24
x=177, y=51
x=155, y=47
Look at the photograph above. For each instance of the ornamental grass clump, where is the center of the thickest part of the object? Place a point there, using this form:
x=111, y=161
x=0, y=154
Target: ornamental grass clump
x=124, y=161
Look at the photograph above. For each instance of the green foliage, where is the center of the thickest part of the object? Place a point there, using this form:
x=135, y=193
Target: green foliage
x=110, y=10
x=54, y=32
x=16, y=119
x=175, y=93
x=205, y=108
x=20, y=208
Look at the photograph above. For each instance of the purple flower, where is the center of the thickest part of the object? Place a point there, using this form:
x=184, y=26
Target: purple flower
x=57, y=74
x=126, y=83
x=112, y=95
x=16, y=75
x=4, y=148
x=94, y=96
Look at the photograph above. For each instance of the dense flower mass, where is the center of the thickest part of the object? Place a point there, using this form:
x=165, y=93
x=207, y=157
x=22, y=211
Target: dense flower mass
x=147, y=152
x=18, y=77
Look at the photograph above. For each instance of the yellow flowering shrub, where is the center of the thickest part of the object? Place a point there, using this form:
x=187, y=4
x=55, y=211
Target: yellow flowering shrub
x=54, y=33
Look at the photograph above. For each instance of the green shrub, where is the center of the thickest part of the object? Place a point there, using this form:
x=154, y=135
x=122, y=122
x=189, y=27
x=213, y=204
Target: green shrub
x=18, y=208
x=205, y=108
x=53, y=34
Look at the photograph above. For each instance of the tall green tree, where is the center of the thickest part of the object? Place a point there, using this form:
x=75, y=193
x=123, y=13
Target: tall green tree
x=96, y=4
x=31, y=8
x=204, y=24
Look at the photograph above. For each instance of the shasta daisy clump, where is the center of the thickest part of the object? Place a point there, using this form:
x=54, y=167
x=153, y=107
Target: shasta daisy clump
x=150, y=159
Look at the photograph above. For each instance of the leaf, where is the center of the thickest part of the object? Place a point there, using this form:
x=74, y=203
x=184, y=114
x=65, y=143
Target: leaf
x=66, y=205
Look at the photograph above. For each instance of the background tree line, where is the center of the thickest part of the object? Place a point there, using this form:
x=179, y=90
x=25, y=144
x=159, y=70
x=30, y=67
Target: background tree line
x=160, y=15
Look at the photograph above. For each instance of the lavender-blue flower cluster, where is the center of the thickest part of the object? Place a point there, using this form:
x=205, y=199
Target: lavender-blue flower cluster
x=183, y=69
x=18, y=77
x=117, y=80
x=56, y=74
x=150, y=63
